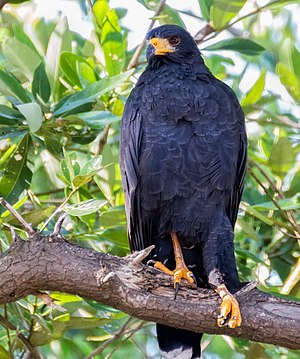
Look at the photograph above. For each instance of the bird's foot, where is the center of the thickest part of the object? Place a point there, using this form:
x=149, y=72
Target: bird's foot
x=229, y=311
x=180, y=272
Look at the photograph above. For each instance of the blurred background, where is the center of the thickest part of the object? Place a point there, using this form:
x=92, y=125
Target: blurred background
x=66, y=69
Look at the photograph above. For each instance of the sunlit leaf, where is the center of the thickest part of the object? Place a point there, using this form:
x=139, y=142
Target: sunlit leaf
x=289, y=80
x=222, y=11
x=88, y=171
x=170, y=16
x=65, y=297
x=90, y=93
x=23, y=37
x=112, y=41
x=84, y=208
x=21, y=57
x=60, y=40
x=33, y=114
x=74, y=67
x=205, y=6
x=256, y=91
x=282, y=156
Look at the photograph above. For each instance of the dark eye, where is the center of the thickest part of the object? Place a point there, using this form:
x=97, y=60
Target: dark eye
x=174, y=40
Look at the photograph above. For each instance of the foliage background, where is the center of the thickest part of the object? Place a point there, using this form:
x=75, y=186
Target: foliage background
x=61, y=99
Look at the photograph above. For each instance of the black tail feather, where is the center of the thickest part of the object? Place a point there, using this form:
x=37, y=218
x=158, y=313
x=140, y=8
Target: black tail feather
x=178, y=343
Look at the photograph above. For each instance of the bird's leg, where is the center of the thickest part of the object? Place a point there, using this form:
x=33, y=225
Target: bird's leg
x=181, y=270
x=229, y=311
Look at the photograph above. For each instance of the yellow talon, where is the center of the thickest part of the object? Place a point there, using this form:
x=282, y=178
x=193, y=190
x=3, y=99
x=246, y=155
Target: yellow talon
x=229, y=311
x=181, y=271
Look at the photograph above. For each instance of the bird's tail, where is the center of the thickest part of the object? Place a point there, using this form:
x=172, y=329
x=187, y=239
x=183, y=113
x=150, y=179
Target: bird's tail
x=178, y=343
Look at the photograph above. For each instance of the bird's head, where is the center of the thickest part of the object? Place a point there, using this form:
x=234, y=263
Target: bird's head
x=171, y=42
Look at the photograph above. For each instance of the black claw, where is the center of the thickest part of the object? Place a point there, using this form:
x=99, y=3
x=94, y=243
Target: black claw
x=176, y=290
x=151, y=262
x=194, y=278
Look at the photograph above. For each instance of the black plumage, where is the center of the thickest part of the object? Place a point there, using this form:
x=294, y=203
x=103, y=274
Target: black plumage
x=183, y=159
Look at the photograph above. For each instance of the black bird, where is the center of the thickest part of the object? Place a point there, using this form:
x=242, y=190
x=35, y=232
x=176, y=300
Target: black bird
x=183, y=159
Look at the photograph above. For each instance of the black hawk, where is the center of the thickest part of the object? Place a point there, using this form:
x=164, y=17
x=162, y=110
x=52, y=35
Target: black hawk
x=183, y=160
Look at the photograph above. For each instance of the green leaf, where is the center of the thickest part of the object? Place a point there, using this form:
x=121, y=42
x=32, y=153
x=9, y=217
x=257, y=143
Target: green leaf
x=282, y=157
x=4, y=354
x=35, y=217
x=13, y=167
x=60, y=40
x=112, y=41
x=97, y=119
x=42, y=31
x=286, y=204
x=170, y=16
x=289, y=80
x=244, y=46
x=113, y=217
x=88, y=171
x=10, y=116
x=256, y=91
x=243, y=253
x=10, y=87
x=90, y=93
x=21, y=36
x=21, y=57
x=260, y=216
x=65, y=298
x=84, y=208
x=33, y=114
x=205, y=6
x=222, y=11
x=53, y=143
x=67, y=166
x=74, y=66
x=40, y=83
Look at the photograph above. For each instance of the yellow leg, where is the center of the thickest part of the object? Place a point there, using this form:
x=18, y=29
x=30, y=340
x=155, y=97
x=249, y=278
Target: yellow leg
x=181, y=271
x=229, y=311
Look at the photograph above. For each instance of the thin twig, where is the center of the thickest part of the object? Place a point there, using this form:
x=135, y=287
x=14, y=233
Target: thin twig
x=134, y=60
x=58, y=209
x=33, y=351
x=8, y=332
x=266, y=190
x=26, y=226
x=58, y=224
x=132, y=332
x=45, y=297
x=289, y=213
x=14, y=235
x=117, y=335
x=292, y=279
x=102, y=140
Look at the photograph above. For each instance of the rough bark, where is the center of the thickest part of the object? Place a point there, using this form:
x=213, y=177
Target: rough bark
x=51, y=263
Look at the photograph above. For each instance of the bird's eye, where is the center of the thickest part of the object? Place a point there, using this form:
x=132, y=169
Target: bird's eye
x=174, y=40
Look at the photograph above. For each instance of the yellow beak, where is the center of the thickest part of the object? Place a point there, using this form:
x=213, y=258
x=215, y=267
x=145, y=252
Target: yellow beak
x=162, y=46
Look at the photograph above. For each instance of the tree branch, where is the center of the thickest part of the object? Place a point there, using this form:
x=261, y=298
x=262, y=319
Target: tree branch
x=51, y=263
